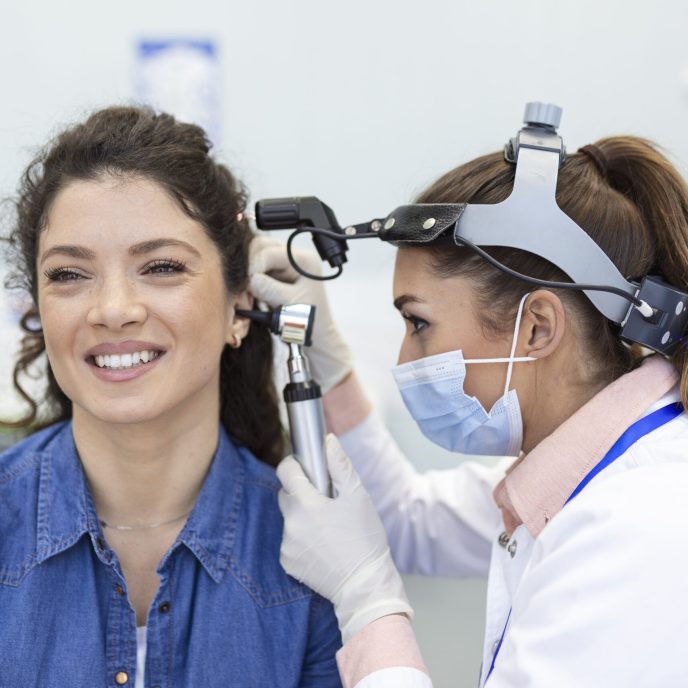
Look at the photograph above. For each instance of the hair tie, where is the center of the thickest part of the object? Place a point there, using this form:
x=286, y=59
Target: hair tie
x=597, y=156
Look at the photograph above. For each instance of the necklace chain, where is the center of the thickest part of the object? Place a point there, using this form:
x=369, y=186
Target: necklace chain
x=146, y=527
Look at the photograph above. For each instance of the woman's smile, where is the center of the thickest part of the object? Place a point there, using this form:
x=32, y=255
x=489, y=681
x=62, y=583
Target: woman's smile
x=123, y=361
x=131, y=283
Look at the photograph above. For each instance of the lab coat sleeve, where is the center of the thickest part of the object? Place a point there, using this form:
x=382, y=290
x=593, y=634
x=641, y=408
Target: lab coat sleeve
x=383, y=655
x=438, y=523
x=603, y=601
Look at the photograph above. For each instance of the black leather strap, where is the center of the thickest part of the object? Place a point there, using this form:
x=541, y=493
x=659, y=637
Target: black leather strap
x=421, y=223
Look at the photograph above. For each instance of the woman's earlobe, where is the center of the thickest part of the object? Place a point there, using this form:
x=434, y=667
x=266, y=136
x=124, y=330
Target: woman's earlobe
x=239, y=327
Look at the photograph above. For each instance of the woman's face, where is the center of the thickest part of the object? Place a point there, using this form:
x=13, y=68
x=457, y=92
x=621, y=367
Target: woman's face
x=439, y=316
x=132, y=302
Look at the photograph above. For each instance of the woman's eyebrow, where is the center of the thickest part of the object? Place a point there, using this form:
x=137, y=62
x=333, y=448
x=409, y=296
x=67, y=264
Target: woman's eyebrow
x=402, y=300
x=67, y=250
x=135, y=250
x=153, y=244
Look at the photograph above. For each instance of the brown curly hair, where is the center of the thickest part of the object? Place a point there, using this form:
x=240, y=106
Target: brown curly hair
x=137, y=141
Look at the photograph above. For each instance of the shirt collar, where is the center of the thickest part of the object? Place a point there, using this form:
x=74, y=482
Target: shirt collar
x=211, y=530
x=65, y=507
x=537, y=485
x=66, y=510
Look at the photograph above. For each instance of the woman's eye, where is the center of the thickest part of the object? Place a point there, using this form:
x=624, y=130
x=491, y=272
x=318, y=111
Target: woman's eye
x=62, y=275
x=418, y=324
x=163, y=267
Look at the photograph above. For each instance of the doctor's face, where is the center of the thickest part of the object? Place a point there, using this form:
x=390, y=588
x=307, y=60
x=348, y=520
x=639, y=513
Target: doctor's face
x=132, y=302
x=440, y=316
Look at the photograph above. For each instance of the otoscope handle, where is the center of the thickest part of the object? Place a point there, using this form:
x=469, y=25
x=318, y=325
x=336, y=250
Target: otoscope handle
x=307, y=424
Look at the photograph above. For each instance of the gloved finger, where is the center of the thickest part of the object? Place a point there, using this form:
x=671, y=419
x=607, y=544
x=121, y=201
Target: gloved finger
x=269, y=290
x=344, y=476
x=271, y=258
x=292, y=477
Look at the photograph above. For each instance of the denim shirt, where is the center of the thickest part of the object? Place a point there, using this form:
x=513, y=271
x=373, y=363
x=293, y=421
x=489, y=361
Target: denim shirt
x=225, y=614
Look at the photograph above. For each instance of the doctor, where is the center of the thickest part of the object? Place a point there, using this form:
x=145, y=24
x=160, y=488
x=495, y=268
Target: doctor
x=583, y=536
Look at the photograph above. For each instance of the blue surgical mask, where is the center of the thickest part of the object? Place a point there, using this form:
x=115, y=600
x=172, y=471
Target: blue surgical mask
x=432, y=389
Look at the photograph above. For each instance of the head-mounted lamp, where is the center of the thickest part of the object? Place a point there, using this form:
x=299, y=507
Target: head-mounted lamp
x=650, y=312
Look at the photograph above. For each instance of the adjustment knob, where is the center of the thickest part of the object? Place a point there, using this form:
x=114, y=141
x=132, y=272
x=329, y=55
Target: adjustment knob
x=542, y=115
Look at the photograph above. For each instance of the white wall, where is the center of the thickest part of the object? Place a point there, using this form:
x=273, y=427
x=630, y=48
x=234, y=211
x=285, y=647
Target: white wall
x=362, y=103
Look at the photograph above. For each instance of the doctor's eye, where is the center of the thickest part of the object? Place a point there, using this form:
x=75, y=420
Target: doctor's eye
x=163, y=267
x=418, y=324
x=62, y=275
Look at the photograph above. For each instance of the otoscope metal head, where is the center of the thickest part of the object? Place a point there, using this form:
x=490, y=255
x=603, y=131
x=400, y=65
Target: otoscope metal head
x=302, y=394
x=293, y=323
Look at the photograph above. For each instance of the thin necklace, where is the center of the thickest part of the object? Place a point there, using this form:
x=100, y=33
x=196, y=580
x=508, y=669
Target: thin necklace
x=148, y=527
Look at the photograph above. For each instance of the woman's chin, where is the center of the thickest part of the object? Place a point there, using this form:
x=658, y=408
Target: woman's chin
x=117, y=414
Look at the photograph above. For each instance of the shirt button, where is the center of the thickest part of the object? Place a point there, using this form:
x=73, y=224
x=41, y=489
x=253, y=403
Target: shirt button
x=100, y=543
x=511, y=549
x=164, y=608
x=119, y=590
x=504, y=539
x=121, y=677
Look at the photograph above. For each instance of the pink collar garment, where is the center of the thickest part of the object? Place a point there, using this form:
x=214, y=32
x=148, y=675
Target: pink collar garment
x=537, y=486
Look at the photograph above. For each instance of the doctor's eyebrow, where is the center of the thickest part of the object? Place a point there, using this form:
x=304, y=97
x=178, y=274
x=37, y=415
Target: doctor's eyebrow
x=402, y=300
x=135, y=250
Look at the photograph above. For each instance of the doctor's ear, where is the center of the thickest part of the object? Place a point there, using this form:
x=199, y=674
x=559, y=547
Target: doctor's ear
x=543, y=324
x=238, y=327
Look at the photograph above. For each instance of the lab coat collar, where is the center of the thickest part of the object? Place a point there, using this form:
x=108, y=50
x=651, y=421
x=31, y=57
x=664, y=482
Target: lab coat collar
x=537, y=486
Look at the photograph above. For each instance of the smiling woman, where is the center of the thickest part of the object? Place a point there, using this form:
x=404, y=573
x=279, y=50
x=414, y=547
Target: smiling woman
x=137, y=529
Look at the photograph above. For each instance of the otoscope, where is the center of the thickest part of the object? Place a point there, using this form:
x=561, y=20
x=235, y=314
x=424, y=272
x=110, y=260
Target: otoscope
x=293, y=324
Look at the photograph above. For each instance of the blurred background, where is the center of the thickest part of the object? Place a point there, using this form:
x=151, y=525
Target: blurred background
x=361, y=103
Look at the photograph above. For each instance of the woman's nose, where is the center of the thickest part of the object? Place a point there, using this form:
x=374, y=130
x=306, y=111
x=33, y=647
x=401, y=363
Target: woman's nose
x=404, y=353
x=116, y=304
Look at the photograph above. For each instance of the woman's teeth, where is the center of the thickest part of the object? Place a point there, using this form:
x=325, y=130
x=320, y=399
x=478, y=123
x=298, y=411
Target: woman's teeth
x=120, y=361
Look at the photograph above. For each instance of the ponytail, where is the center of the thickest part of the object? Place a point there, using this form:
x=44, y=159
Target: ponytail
x=636, y=169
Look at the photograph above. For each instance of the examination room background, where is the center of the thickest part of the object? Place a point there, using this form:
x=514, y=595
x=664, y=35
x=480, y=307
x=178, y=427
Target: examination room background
x=361, y=103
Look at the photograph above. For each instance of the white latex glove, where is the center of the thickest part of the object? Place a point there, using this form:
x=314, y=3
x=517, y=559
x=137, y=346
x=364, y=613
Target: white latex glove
x=275, y=282
x=338, y=547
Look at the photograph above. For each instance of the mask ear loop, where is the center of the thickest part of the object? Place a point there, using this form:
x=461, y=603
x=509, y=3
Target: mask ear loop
x=514, y=341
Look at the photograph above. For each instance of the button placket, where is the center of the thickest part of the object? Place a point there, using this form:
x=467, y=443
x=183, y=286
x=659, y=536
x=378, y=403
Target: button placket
x=159, y=622
x=121, y=620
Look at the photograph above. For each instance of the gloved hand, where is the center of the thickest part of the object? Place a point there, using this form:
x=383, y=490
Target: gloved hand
x=338, y=547
x=275, y=282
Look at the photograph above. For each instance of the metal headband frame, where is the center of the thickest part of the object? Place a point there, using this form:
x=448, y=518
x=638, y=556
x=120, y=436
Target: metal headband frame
x=652, y=312
x=530, y=219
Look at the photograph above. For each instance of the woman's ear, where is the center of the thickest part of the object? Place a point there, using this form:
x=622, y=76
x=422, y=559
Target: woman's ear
x=238, y=326
x=543, y=324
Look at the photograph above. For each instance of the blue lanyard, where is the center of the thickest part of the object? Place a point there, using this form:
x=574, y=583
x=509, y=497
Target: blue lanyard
x=639, y=429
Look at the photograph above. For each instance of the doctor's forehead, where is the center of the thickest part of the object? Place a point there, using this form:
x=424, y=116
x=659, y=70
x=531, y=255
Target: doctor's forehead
x=412, y=272
x=417, y=282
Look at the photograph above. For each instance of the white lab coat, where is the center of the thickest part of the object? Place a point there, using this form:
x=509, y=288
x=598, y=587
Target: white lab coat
x=598, y=600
